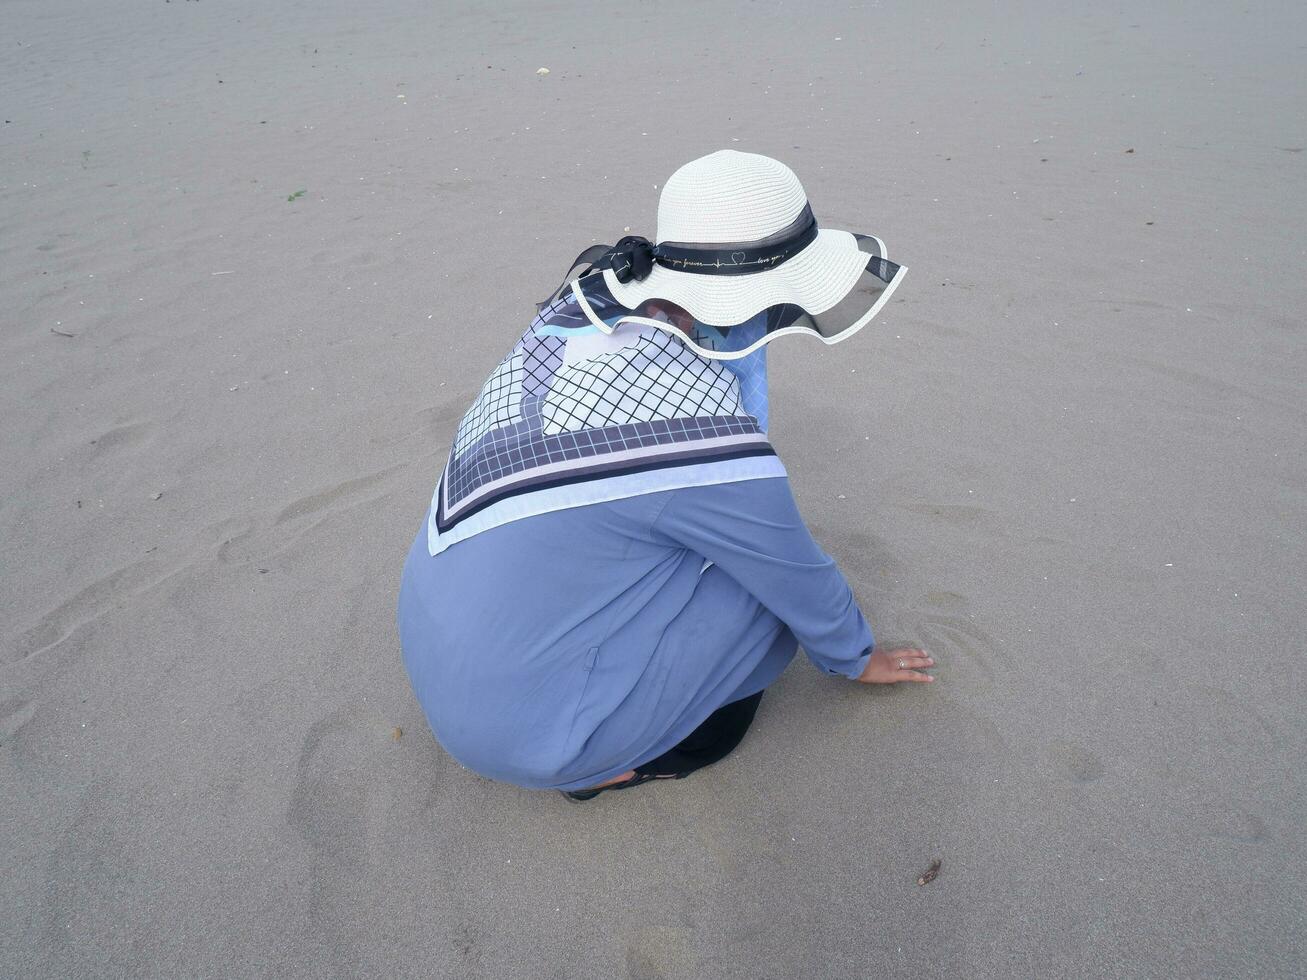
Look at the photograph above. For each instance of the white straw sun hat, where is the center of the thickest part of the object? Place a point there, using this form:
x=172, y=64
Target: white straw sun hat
x=737, y=237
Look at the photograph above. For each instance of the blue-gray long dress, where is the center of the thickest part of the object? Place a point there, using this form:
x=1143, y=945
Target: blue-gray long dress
x=563, y=649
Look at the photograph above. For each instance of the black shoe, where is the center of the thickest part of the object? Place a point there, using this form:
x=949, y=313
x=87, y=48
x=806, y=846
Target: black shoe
x=582, y=795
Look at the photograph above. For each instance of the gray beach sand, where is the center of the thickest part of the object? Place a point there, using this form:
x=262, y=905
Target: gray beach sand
x=1068, y=457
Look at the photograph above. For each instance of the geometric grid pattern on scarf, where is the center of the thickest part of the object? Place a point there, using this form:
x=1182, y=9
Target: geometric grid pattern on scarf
x=498, y=404
x=657, y=377
x=750, y=370
x=659, y=393
x=542, y=357
x=522, y=446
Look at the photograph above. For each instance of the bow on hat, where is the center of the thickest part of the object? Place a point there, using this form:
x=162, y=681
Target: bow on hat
x=631, y=258
x=634, y=256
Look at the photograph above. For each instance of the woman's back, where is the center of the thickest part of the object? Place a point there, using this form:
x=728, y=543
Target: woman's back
x=556, y=647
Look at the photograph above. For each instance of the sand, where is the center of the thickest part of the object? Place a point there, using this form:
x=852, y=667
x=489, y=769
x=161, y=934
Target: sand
x=1068, y=457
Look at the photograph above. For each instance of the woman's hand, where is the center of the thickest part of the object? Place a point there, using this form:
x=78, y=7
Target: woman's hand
x=889, y=665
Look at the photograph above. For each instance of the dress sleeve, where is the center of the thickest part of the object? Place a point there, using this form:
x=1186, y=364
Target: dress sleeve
x=753, y=530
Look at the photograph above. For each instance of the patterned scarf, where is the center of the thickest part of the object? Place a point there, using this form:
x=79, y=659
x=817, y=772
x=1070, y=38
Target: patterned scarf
x=573, y=416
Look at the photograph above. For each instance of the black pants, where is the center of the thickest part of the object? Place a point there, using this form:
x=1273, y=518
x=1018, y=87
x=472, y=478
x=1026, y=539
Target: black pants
x=711, y=742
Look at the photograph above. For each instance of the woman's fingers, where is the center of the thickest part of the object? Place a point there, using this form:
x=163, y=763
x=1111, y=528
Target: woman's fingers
x=918, y=661
x=910, y=664
x=892, y=664
x=912, y=675
x=910, y=657
x=906, y=652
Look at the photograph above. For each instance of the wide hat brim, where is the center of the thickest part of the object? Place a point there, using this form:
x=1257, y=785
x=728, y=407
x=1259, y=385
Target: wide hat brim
x=831, y=289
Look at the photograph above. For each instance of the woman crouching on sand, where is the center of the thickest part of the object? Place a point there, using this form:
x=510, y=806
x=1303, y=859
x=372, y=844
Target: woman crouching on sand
x=613, y=568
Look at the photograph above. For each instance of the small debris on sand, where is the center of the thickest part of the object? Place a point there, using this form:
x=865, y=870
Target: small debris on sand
x=542, y=71
x=396, y=733
x=61, y=333
x=930, y=873
x=157, y=496
x=1131, y=150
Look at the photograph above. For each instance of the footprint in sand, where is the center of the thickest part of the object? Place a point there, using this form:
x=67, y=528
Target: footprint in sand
x=14, y=714
x=329, y=809
x=248, y=540
x=1077, y=763
x=113, y=590
x=342, y=800
x=131, y=435
x=328, y=805
x=327, y=498
x=1235, y=823
x=89, y=870
x=868, y=556
x=658, y=953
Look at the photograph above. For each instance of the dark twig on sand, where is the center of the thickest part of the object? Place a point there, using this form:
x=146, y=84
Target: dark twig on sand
x=930, y=873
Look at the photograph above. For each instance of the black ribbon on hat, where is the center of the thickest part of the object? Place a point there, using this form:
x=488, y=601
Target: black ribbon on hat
x=634, y=256
x=631, y=258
